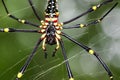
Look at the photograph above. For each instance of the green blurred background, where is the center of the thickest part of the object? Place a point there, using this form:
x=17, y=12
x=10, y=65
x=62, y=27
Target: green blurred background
x=104, y=38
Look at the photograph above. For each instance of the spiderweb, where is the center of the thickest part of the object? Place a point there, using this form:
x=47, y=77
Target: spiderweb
x=16, y=47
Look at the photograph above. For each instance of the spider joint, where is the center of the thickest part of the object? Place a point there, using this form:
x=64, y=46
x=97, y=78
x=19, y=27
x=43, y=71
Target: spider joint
x=22, y=21
x=19, y=75
x=94, y=8
x=98, y=20
x=9, y=14
x=82, y=25
x=91, y=51
x=71, y=79
x=6, y=29
x=111, y=77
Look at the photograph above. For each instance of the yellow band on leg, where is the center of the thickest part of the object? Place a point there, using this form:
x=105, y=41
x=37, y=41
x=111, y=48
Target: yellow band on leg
x=6, y=29
x=91, y=51
x=111, y=77
x=19, y=75
x=82, y=25
x=94, y=8
x=71, y=79
x=22, y=21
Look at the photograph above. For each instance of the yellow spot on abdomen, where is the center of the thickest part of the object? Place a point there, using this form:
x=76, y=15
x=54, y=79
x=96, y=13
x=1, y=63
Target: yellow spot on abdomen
x=91, y=51
x=19, y=75
x=6, y=29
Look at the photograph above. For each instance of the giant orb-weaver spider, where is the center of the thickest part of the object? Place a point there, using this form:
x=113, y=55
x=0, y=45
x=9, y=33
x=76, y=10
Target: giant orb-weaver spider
x=51, y=30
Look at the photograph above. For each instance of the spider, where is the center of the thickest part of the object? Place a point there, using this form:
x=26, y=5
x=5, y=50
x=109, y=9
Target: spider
x=51, y=32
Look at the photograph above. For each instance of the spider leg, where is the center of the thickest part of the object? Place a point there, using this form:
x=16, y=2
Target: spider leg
x=17, y=19
x=33, y=8
x=20, y=74
x=93, y=8
x=93, y=22
x=18, y=30
x=90, y=51
x=44, y=47
x=57, y=47
x=70, y=75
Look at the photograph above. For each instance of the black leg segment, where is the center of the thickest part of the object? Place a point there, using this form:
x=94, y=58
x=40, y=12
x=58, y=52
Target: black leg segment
x=17, y=19
x=70, y=75
x=33, y=8
x=19, y=75
x=90, y=51
x=18, y=30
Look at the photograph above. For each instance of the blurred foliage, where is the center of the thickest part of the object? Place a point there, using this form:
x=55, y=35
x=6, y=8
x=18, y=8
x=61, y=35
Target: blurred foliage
x=15, y=47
